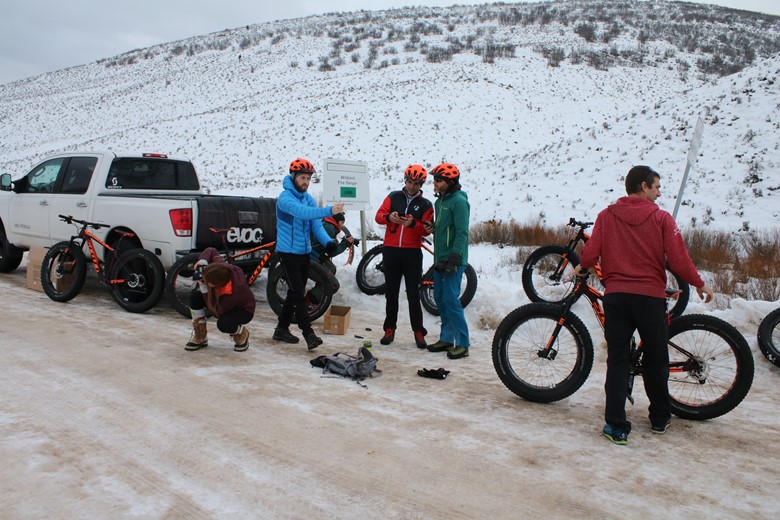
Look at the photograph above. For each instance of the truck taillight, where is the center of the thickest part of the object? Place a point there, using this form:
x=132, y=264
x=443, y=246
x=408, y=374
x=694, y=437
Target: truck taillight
x=181, y=220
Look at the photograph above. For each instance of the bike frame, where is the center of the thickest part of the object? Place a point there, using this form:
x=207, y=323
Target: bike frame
x=595, y=297
x=89, y=238
x=578, y=235
x=269, y=248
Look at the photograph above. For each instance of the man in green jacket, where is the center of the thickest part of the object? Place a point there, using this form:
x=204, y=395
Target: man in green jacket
x=451, y=243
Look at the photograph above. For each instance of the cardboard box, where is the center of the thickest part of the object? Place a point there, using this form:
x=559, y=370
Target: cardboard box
x=34, y=259
x=337, y=319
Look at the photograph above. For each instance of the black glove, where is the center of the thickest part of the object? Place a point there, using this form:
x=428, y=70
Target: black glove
x=355, y=242
x=330, y=248
x=438, y=267
x=439, y=373
x=451, y=263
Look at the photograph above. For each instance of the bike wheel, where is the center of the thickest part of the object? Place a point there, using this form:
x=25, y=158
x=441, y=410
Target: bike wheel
x=520, y=342
x=137, y=280
x=370, y=273
x=319, y=291
x=544, y=272
x=769, y=336
x=675, y=283
x=468, y=288
x=179, y=283
x=710, y=367
x=63, y=272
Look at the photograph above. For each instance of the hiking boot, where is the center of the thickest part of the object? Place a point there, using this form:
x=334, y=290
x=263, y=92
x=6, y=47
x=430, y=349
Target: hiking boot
x=313, y=341
x=241, y=339
x=660, y=429
x=284, y=335
x=419, y=339
x=388, y=337
x=199, y=338
x=615, y=434
x=458, y=352
x=440, y=346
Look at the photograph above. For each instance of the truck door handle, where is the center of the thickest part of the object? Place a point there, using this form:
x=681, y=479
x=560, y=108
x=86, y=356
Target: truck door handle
x=81, y=204
x=44, y=202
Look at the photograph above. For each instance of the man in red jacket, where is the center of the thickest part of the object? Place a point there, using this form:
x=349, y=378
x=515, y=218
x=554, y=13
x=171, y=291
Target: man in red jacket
x=633, y=240
x=405, y=213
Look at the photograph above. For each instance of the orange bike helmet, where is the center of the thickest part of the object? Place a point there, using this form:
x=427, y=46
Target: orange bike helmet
x=415, y=173
x=447, y=171
x=301, y=166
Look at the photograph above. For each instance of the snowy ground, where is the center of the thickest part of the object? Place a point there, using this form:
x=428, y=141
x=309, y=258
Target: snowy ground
x=104, y=415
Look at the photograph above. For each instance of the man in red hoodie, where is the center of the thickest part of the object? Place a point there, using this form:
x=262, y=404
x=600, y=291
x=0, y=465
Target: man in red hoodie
x=633, y=240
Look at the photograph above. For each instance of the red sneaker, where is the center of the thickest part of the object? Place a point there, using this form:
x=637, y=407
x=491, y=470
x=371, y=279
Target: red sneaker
x=388, y=337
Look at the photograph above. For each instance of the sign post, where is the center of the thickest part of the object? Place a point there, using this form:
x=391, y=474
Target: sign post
x=347, y=182
x=693, y=153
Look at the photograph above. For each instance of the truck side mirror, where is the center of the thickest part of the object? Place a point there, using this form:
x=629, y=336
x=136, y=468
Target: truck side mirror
x=5, y=182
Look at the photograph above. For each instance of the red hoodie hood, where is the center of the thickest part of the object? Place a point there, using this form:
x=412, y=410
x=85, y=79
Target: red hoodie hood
x=633, y=211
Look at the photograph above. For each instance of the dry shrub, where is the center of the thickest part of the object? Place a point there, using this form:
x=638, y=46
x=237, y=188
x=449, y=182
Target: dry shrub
x=744, y=265
x=710, y=250
x=515, y=234
x=762, y=255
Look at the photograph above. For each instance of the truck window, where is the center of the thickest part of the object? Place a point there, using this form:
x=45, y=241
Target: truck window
x=131, y=173
x=78, y=174
x=41, y=179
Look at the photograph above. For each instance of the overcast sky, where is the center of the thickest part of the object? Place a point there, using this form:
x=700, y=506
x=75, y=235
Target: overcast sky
x=38, y=36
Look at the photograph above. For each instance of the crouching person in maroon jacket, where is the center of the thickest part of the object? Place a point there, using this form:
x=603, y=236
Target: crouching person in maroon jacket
x=224, y=292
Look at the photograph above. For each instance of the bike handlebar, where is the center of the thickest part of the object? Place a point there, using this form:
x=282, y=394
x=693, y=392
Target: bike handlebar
x=575, y=223
x=69, y=219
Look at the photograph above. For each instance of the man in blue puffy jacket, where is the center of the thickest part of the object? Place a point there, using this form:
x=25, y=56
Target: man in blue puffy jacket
x=297, y=217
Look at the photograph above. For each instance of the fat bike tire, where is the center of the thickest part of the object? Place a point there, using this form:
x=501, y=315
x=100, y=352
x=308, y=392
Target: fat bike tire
x=468, y=288
x=63, y=272
x=370, y=274
x=710, y=367
x=179, y=283
x=521, y=338
x=319, y=290
x=769, y=337
x=544, y=272
x=143, y=280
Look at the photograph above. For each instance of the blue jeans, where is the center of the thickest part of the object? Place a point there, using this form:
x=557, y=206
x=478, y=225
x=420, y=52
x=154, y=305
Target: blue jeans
x=446, y=294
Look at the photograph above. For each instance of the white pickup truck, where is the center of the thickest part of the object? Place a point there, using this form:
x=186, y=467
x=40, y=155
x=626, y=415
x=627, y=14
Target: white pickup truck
x=156, y=197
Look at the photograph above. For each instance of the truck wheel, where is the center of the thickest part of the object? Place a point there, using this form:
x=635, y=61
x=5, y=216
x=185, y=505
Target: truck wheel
x=10, y=255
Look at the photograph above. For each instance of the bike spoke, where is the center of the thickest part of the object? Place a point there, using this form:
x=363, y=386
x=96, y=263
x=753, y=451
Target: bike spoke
x=711, y=367
x=523, y=351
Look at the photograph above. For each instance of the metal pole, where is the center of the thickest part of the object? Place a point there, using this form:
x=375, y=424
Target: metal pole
x=693, y=153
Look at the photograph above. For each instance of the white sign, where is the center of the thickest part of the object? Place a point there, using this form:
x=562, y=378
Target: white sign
x=347, y=182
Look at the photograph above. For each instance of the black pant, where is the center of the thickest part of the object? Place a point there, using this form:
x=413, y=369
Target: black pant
x=296, y=270
x=406, y=262
x=228, y=322
x=625, y=313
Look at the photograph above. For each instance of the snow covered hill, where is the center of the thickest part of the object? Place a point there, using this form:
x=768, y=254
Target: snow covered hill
x=543, y=106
